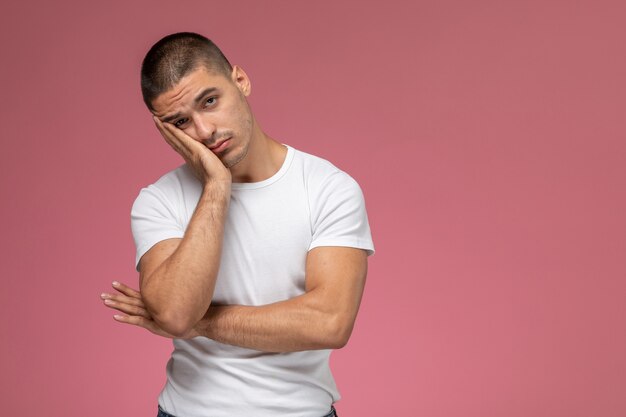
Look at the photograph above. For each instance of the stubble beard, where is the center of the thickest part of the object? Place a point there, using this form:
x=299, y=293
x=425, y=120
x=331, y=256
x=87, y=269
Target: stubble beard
x=232, y=163
x=250, y=127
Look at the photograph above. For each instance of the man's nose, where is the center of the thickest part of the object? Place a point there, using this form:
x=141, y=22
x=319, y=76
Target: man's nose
x=204, y=129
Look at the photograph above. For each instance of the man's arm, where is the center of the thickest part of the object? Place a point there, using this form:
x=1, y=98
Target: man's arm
x=177, y=276
x=321, y=318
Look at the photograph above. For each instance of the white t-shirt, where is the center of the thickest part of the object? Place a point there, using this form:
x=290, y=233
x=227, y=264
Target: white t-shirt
x=270, y=227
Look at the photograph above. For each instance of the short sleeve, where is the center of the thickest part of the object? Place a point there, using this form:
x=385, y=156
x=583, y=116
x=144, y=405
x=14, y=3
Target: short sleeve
x=338, y=214
x=153, y=219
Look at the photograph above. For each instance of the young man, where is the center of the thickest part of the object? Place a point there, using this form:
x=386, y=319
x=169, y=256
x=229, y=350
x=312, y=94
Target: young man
x=252, y=255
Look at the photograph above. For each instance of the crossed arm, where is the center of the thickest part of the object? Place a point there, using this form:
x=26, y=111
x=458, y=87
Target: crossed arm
x=321, y=318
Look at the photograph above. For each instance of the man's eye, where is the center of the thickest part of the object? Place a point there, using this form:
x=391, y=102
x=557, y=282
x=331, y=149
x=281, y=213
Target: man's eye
x=179, y=122
x=210, y=101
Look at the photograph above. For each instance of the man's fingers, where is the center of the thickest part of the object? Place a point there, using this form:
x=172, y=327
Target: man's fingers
x=125, y=289
x=170, y=138
x=135, y=320
x=182, y=143
x=176, y=138
x=135, y=301
x=127, y=308
x=147, y=324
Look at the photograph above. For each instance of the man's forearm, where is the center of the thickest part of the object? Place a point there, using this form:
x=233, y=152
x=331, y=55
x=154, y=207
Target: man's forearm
x=292, y=325
x=179, y=290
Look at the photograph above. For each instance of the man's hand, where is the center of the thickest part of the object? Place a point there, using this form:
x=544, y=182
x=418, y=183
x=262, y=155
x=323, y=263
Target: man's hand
x=205, y=164
x=129, y=301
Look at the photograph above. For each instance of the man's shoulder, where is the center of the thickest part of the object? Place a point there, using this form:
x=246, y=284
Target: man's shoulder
x=176, y=179
x=172, y=188
x=319, y=171
x=313, y=161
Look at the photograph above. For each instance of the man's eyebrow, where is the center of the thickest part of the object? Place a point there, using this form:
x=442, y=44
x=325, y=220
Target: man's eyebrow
x=204, y=93
x=170, y=119
x=199, y=97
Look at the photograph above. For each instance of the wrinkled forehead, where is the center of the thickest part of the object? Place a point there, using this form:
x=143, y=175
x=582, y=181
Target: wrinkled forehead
x=189, y=89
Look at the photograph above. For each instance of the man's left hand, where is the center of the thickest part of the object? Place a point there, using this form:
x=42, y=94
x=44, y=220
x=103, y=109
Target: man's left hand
x=129, y=302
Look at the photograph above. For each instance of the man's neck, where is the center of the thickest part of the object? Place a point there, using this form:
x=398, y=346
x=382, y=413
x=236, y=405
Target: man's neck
x=264, y=159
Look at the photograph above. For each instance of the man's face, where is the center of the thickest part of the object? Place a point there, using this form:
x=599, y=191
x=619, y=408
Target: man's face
x=212, y=109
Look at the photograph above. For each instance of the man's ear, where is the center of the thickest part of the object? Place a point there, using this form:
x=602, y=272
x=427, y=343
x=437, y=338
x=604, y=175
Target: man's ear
x=241, y=80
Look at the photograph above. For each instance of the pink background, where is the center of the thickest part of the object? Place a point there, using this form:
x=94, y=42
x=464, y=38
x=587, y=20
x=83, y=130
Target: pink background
x=489, y=140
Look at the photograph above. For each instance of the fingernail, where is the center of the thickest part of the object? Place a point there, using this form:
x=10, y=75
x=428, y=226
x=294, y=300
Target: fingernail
x=110, y=302
x=116, y=284
x=117, y=317
x=104, y=295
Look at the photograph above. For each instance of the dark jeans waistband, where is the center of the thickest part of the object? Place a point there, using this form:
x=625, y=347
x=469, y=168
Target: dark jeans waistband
x=162, y=413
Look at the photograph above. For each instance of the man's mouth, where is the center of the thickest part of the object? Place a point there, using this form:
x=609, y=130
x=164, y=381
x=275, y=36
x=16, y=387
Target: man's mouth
x=219, y=146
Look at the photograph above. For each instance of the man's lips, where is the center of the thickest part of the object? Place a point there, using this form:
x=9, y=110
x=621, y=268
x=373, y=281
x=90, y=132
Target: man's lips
x=219, y=146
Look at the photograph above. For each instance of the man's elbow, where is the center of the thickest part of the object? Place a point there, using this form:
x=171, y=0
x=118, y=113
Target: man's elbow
x=173, y=315
x=176, y=319
x=339, y=332
x=175, y=323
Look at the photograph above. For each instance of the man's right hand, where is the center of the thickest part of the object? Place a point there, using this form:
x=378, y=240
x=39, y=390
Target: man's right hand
x=206, y=166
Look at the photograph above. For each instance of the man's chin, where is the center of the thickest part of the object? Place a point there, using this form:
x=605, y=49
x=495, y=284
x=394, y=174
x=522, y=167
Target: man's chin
x=231, y=162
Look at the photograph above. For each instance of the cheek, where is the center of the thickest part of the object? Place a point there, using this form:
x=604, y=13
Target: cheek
x=243, y=118
x=246, y=121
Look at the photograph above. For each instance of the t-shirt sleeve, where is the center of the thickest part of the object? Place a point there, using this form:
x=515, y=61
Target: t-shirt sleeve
x=338, y=214
x=153, y=219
